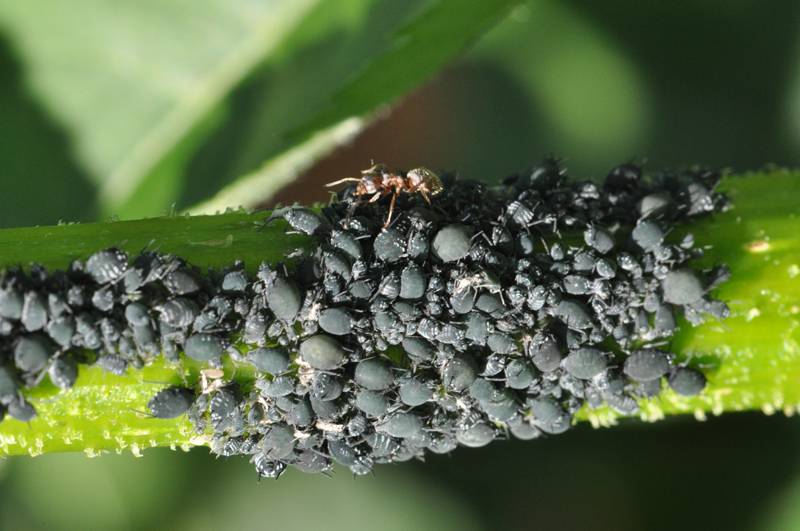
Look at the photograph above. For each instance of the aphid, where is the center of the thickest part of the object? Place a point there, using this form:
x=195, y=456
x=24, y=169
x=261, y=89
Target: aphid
x=300, y=219
x=545, y=353
x=61, y=329
x=462, y=301
x=417, y=246
x=374, y=374
x=34, y=312
x=21, y=409
x=272, y=360
x=500, y=343
x=203, y=347
x=523, y=430
x=605, y=268
x=326, y=387
x=549, y=416
x=336, y=321
x=389, y=245
x=576, y=284
x=107, y=266
x=682, y=287
x=346, y=242
x=646, y=364
x=322, y=352
x=459, y=373
x=500, y=405
x=255, y=329
x=112, y=363
x=353, y=458
x=223, y=405
x=452, y=243
x=686, y=381
x=336, y=263
x=235, y=281
x=546, y=176
x=171, y=402
x=372, y=403
x=325, y=409
x=419, y=349
x=277, y=387
x=8, y=384
x=378, y=182
x=311, y=462
x=87, y=332
x=181, y=282
x=300, y=413
x=137, y=314
x=700, y=199
x=267, y=468
x=11, y=302
x=518, y=374
x=32, y=353
x=476, y=435
x=415, y=391
x=599, y=239
x=103, y=299
x=647, y=234
x=450, y=335
x=76, y=296
x=389, y=286
x=383, y=446
x=573, y=314
x=585, y=362
x=178, y=312
x=282, y=296
x=520, y=213
x=63, y=372
x=401, y=425
x=412, y=282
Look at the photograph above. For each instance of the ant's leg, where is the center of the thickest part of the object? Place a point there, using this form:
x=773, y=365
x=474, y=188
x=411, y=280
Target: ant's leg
x=391, y=210
x=375, y=197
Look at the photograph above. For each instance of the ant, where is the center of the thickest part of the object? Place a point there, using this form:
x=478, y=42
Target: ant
x=378, y=181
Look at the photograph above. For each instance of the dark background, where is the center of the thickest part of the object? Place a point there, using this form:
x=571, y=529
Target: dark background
x=596, y=83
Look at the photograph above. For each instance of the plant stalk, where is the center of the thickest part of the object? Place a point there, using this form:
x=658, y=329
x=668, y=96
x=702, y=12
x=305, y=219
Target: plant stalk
x=751, y=359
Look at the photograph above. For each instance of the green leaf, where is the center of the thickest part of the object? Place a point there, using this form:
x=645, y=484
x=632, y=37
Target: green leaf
x=144, y=89
x=129, y=80
x=342, y=65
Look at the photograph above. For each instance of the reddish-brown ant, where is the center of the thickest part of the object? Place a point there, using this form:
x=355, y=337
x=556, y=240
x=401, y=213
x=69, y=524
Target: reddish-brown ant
x=378, y=182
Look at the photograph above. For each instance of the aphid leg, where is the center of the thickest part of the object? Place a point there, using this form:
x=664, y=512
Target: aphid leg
x=375, y=197
x=424, y=195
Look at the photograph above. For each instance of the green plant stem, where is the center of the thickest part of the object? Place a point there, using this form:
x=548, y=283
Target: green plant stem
x=752, y=359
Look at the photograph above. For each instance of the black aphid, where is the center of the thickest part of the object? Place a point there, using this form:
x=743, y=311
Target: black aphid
x=32, y=353
x=452, y=242
x=107, y=266
x=271, y=360
x=204, y=347
x=322, y=352
x=645, y=365
x=686, y=381
x=374, y=374
x=63, y=372
x=171, y=402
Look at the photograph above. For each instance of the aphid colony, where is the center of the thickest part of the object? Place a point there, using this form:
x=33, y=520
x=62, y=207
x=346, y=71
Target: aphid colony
x=486, y=312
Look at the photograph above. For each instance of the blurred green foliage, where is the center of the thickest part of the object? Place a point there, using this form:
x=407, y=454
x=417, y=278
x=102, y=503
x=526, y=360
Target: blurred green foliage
x=597, y=82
